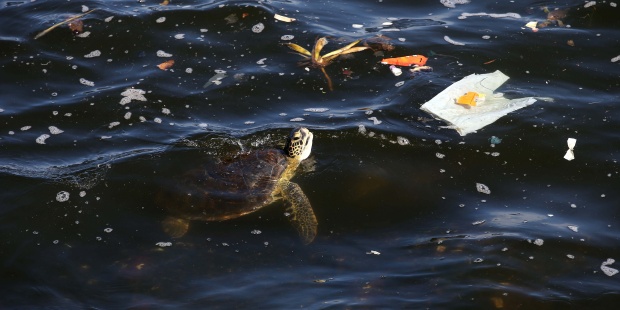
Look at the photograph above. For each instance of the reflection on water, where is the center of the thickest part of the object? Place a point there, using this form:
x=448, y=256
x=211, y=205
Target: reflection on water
x=93, y=128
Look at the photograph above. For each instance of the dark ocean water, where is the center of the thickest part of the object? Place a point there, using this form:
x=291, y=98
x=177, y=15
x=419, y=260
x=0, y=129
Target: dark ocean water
x=401, y=222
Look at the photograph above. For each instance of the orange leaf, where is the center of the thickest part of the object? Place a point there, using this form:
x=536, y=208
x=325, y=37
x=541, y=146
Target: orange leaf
x=166, y=65
x=406, y=60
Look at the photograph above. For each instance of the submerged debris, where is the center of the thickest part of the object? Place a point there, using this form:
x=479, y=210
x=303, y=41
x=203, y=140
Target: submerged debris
x=44, y=32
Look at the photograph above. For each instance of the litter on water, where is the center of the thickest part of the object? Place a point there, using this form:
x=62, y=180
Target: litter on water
x=570, y=155
x=469, y=118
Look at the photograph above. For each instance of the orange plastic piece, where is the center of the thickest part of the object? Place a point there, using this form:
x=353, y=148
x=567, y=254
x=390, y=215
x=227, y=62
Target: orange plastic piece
x=166, y=65
x=469, y=98
x=406, y=60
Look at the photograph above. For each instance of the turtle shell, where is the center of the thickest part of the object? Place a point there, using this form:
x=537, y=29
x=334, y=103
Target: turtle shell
x=228, y=189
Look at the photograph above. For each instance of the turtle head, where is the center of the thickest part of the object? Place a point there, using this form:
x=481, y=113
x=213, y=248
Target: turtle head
x=299, y=143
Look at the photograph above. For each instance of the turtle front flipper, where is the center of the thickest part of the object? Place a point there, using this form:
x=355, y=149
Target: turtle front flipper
x=302, y=217
x=175, y=227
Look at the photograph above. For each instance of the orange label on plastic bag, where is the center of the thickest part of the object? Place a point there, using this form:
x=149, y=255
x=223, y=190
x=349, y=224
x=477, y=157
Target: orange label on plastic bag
x=406, y=60
x=470, y=98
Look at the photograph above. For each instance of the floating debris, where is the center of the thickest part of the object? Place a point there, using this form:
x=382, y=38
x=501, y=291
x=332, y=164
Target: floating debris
x=87, y=82
x=357, y=26
x=258, y=28
x=494, y=15
x=55, y=130
x=297, y=119
x=570, y=155
x=287, y=37
x=539, y=242
x=216, y=79
x=452, y=3
x=231, y=19
x=395, y=70
x=284, y=18
x=62, y=196
x=132, y=94
x=166, y=65
x=402, y=140
x=179, y=36
x=483, y=188
x=615, y=59
x=160, y=20
x=316, y=110
x=41, y=139
x=399, y=84
x=95, y=53
x=439, y=155
x=495, y=140
x=608, y=270
x=114, y=124
x=478, y=260
x=108, y=230
x=589, y=4
x=373, y=252
x=44, y=32
x=161, y=53
x=108, y=19
x=447, y=38
x=256, y=232
x=163, y=244
x=375, y=120
x=573, y=228
x=478, y=222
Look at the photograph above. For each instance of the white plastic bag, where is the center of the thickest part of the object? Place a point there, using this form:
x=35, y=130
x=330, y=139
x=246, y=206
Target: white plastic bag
x=467, y=119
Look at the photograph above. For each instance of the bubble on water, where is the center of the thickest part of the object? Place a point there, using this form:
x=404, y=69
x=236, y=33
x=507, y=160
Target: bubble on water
x=297, y=119
x=266, y=243
x=41, y=139
x=316, y=110
x=439, y=155
x=160, y=20
x=179, y=36
x=98, y=238
x=256, y=232
x=402, y=140
x=161, y=53
x=84, y=9
x=163, y=244
x=108, y=230
x=287, y=37
x=55, y=241
x=54, y=94
x=258, y=28
x=478, y=260
x=113, y=124
x=165, y=111
x=539, y=242
x=95, y=53
x=62, y=196
x=55, y=130
x=573, y=228
x=483, y=188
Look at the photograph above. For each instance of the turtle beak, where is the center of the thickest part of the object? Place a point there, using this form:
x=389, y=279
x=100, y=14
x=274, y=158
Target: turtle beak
x=307, y=136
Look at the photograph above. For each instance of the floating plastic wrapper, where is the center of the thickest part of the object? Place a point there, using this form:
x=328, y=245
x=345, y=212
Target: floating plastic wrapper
x=467, y=119
x=570, y=155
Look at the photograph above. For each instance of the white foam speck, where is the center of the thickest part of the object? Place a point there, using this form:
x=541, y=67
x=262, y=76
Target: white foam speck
x=160, y=20
x=55, y=130
x=163, y=244
x=483, y=188
x=297, y=119
x=165, y=111
x=157, y=120
x=258, y=28
x=179, y=36
x=87, y=82
x=114, y=124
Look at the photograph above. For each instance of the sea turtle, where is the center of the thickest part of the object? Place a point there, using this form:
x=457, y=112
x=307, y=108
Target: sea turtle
x=241, y=185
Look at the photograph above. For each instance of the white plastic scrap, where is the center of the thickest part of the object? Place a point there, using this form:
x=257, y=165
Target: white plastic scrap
x=608, y=270
x=95, y=53
x=41, y=139
x=615, y=58
x=396, y=70
x=55, y=130
x=447, y=38
x=284, y=18
x=469, y=119
x=570, y=155
x=573, y=228
x=483, y=188
x=589, y=4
